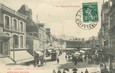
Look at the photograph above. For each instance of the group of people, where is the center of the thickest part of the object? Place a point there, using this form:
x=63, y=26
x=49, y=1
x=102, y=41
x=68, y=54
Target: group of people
x=74, y=71
x=91, y=56
x=104, y=68
x=97, y=57
x=74, y=58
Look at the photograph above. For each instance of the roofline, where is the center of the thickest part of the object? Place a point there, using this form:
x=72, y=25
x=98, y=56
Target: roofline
x=2, y=6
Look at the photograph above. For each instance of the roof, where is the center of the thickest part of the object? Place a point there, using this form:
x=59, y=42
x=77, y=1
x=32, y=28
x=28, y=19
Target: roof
x=25, y=7
x=12, y=11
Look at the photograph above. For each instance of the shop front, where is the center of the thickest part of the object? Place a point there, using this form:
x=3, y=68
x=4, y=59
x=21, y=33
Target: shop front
x=38, y=58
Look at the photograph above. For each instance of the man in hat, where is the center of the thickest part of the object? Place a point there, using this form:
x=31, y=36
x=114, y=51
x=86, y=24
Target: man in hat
x=58, y=71
x=86, y=71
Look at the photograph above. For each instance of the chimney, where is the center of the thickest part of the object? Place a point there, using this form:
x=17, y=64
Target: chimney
x=41, y=25
x=48, y=30
x=26, y=11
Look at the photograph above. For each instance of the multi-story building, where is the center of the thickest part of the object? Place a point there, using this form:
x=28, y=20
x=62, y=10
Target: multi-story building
x=36, y=39
x=42, y=36
x=112, y=27
x=105, y=26
x=108, y=31
x=13, y=26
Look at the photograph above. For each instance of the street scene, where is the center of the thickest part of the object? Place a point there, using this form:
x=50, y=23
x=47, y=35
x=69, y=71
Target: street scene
x=57, y=36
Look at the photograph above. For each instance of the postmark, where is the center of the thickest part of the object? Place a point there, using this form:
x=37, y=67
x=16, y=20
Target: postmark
x=87, y=17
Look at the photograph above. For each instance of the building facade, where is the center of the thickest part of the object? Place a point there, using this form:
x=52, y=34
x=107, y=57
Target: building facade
x=112, y=27
x=36, y=39
x=107, y=34
x=105, y=26
x=13, y=24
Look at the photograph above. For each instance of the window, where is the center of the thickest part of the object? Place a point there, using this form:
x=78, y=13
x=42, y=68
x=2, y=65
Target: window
x=15, y=24
x=21, y=41
x=15, y=41
x=21, y=26
x=7, y=22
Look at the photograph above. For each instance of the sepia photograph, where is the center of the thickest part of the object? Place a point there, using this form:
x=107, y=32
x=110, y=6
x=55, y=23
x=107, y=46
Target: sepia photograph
x=57, y=36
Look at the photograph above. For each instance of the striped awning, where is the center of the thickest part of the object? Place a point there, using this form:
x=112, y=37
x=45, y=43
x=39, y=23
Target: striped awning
x=22, y=56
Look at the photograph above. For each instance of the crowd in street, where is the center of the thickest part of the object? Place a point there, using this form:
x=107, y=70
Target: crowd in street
x=90, y=56
x=97, y=57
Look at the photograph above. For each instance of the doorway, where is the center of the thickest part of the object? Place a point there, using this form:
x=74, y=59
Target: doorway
x=4, y=48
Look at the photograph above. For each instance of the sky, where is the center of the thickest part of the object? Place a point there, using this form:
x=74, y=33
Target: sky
x=61, y=20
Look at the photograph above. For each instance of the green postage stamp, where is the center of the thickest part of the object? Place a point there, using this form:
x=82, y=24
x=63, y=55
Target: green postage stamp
x=87, y=17
x=90, y=12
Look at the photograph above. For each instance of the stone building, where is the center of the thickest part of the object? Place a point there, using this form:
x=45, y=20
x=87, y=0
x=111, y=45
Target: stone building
x=105, y=26
x=13, y=34
x=107, y=33
x=36, y=39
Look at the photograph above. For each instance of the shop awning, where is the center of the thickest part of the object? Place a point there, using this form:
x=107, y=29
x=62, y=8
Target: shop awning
x=22, y=56
x=50, y=51
x=69, y=48
x=4, y=36
x=86, y=48
x=82, y=51
x=77, y=53
x=39, y=52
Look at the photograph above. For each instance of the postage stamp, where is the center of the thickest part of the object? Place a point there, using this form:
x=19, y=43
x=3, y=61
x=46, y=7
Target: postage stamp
x=90, y=12
x=87, y=17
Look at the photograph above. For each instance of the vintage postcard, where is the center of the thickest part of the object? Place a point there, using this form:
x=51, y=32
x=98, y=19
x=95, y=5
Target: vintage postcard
x=57, y=36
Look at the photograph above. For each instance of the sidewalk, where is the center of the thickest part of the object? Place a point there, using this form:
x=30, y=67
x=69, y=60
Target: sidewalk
x=5, y=61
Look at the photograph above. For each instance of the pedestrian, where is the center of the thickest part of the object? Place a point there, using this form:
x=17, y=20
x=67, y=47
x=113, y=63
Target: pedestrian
x=41, y=62
x=69, y=57
x=65, y=56
x=85, y=57
x=75, y=61
x=44, y=61
x=58, y=60
x=54, y=71
x=64, y=71
x=86, y=71
x=74, y=71
x=58, y=71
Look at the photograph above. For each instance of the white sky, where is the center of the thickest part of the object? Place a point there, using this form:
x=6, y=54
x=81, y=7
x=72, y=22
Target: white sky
x=57, y=18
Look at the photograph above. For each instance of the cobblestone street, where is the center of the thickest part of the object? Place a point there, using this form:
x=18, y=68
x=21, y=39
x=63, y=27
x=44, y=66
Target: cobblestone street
x=52, y=65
